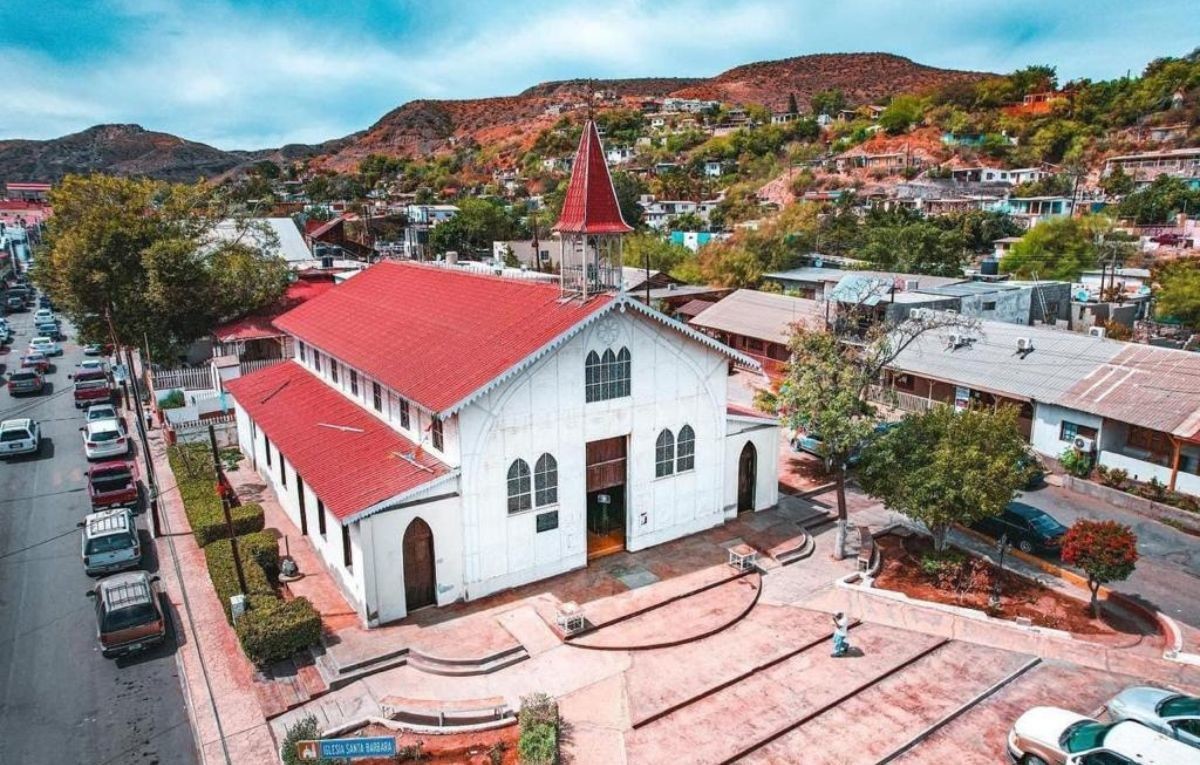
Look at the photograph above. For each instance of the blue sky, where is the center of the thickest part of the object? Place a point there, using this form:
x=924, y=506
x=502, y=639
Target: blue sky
x=258, y=73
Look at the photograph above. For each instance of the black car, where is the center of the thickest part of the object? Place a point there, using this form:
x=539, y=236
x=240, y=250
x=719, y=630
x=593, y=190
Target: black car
x=1028, y=529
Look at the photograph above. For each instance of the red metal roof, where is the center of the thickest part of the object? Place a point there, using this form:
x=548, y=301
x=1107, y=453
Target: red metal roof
x=590, y=205
x=433, y=334
x=261, y=324
x=349, y=458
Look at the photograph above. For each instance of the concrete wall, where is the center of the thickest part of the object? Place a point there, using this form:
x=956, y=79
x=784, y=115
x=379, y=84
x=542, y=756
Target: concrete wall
x=1047, y=425
x=382, y=537
x=766, y=443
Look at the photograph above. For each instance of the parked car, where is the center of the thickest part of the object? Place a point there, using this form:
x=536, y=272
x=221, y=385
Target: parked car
x=23, y=436
x=808, y=441
x=105, y=438
x=46, y=345
x=110, y=541
x=49, y=329
x=91, y=387
x=43, y=315
x=101, y=412
x=1028, y=529
x=113, y=484
x=1170, y=713
x=36, y=360
x=129, y=617
x=1052, y=736
x=44, y=301
x=93, y=365
x=6, y=333
x=93, y=349
x=15, y=303
x=26, y=381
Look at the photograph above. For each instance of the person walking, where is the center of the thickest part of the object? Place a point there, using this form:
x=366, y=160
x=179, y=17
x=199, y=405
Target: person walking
x=841, y=632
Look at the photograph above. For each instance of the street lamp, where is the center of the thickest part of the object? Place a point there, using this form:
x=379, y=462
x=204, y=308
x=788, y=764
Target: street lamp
x=1002, y=547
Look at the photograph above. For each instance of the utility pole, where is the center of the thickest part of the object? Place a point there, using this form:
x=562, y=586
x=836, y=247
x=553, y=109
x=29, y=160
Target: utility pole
x=139, y=422
x=220, y=475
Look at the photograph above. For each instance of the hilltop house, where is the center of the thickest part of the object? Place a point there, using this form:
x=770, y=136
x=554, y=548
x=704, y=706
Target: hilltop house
x=440, y=435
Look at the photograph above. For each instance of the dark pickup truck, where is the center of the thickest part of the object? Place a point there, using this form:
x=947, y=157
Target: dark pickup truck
x=113, y=484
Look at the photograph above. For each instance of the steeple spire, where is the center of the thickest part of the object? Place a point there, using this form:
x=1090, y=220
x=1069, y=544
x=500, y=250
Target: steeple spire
x=590, y=205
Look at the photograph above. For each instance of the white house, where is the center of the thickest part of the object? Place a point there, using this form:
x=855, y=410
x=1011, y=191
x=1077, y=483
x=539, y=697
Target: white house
x=441, y=435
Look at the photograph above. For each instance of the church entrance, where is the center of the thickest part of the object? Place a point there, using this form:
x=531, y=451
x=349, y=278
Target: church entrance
x=420, y=580
x=747, y=477
x=605, y=497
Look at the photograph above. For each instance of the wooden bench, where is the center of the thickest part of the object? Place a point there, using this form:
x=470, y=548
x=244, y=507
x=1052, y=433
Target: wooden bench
x=866, y=548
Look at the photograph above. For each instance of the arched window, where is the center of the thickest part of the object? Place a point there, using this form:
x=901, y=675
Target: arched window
x=664, y=454
x=607, y=376
x=623, y=372
x=545, y=481
x=592, y=370
x=518, y=487
x=685, y=449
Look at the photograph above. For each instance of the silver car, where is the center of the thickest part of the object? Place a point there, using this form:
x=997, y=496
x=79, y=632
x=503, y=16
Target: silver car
x=1173, y=714
x=22, y=436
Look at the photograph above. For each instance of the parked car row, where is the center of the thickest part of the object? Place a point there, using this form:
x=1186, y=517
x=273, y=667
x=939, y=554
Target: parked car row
x=1145, y=726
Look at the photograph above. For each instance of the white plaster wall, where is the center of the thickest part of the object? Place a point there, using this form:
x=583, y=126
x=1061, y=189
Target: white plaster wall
x=1047, y=424
x=675, y=381
x=1187, y=483
x=765, y=438
x=383, y=539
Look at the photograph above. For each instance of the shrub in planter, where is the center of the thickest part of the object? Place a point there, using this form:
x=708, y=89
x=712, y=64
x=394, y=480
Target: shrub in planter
x=1105, y=550
x=1076, y=462
x=538, y=718
x=196, y=481
x=305, y=729
x=1114, y=478
x=173, y=400
x=260, y=546
x=274, y=631
x=1155, y=490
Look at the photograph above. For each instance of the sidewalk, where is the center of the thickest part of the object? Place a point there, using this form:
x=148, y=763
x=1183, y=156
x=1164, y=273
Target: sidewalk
x=227, y=721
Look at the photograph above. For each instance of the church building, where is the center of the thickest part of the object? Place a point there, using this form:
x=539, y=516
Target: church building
x=440, y=435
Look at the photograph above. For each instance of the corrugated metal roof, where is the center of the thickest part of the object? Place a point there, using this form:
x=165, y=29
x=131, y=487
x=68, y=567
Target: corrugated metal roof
x=590, y=205
x=834, y=275
x=347, y=456
x=761, y=315
x=991, y=362
x=1156, y=388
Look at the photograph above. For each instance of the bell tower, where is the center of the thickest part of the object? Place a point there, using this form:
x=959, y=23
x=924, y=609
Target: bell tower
x=590, y=227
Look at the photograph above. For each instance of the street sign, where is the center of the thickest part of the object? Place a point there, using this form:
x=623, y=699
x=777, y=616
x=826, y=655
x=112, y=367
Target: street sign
x=346, y=748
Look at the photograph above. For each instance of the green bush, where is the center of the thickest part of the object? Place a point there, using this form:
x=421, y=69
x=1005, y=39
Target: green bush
x=197, y=483
x=256, y=549
x=274, y=630
x=1114, y=478
x=305, y=729
x=1076, y=462
x=538, y=718
x=935, y=563
x=173, y=400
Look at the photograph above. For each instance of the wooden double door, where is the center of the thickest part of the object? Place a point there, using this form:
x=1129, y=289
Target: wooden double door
x=606, y=506
x=420, y=576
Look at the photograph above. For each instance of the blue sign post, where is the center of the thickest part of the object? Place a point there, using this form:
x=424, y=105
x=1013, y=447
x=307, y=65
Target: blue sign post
x=346, y=748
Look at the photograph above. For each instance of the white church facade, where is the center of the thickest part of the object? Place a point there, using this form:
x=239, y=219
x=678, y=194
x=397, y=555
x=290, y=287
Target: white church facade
x=443, y=435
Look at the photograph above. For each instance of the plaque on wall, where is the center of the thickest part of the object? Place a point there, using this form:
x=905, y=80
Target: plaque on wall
x=547, y=521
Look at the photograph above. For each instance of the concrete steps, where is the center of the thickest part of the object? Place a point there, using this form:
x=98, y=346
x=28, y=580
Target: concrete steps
x=338, y=675
x=483, y=665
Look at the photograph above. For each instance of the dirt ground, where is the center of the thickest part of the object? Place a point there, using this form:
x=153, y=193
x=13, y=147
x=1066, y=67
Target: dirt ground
x=1019, y=596
x=474, y=748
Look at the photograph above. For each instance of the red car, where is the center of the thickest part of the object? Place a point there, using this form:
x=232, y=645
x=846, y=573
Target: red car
x=113, y=484
x=91, y=387
x=35, y=360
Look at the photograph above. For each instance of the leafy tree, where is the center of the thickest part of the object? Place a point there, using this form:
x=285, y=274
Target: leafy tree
x=1105, y=550
x=1058, y=248
x=944, y=467
x=1177, y=291
x=917, y=247
x=479, y=222
x=689, y=221
x=149, y=253
x=825, y=391
x=1118, y=183
x=901, y=114
x=791, y=104
x=662, y=255
x=980, y=229
x=1160, y=201
x=828, y=102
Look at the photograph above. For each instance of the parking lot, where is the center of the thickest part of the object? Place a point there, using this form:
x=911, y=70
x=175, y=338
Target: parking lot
x=61, y=700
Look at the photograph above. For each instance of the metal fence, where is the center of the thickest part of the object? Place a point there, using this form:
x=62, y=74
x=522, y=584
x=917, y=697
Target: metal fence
x=898, y=399
x=253, y=366
x=196, y=431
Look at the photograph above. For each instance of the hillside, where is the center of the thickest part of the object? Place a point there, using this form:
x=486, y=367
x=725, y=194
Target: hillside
x=503, y=126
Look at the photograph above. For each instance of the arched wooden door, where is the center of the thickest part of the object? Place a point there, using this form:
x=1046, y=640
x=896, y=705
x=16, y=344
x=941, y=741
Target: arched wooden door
x=747, y=477
x=420, y=580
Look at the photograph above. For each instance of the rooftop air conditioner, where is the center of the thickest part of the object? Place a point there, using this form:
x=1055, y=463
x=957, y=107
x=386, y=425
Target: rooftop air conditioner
x=1085, y=445
x=1097, y=331
x=1024, y=343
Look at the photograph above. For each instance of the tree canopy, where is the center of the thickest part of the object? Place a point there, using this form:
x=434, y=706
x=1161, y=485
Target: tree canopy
x=944, y=467
x=169, y=261
x=1058, y=248
x=479, y=222
x=1177, y=291
x=1105, y=550
x=1161, y=201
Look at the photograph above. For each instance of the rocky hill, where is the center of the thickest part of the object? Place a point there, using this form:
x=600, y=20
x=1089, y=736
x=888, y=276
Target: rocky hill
x=503, y=125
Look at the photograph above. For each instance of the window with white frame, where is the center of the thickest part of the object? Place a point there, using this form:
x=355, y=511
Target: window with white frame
x=545, y=481
x=664, y=454
x=317, y=361
x=436, y=433
x=518, y=486
x=377, y=396
x=685, y=449
x=354, y=383
x=303, y=352
x=404, y=414
x=333, y=370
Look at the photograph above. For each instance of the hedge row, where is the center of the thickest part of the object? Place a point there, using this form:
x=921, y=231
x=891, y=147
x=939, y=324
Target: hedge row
x=197, y=484
x=277, y=630
x=256, y=549
x=539, y=723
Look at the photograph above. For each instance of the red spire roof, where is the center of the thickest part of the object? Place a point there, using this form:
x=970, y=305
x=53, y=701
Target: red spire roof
x=590, y=206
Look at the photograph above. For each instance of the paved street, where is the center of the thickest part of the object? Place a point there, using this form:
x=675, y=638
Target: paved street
x=1168, y=571
x=60, y=701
